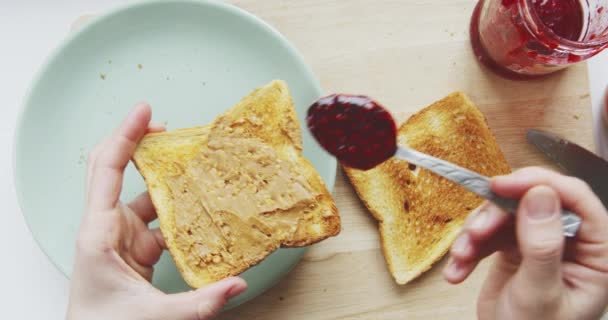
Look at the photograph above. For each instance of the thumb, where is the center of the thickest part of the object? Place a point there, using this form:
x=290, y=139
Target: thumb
x=540, y=239
x=204, y=303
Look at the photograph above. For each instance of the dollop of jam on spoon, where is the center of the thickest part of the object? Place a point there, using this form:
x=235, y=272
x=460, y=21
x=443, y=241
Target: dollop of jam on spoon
x=355, y=129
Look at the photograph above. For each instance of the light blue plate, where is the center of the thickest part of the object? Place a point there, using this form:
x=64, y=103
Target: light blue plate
x=191, y=61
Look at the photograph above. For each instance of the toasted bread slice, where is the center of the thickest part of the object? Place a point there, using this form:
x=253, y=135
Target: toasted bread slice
x=420, y=213
x=229, y=194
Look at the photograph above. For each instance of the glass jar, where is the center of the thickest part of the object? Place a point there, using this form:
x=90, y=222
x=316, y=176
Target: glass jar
x=528, y=38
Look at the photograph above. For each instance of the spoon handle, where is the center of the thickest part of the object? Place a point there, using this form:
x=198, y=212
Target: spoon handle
x=477, y=183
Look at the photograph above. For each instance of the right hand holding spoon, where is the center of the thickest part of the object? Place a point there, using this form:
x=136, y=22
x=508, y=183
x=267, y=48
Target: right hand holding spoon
x=536, y=273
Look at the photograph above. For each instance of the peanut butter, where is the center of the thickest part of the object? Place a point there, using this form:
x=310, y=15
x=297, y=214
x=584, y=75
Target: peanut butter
x=237, y=200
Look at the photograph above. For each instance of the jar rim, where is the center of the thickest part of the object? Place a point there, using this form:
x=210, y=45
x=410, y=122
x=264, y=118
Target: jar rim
x=529, y=13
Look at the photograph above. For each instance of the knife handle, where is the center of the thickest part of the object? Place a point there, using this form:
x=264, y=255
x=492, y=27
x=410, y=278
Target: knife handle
x=477, y=183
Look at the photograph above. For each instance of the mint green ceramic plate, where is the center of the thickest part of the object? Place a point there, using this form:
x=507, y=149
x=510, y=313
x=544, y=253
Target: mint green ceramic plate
x=192, y=61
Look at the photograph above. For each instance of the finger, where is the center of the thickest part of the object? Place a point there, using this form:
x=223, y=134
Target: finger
x=463, y=249
x=467, y=260
x=159, y=238
x=137, y=245
x=91, y=160
x=457, y=271
x=486, y=232
x=574, y=194
x=155, y=127
x=487, y=222
x=146, y=271
x=204, y=303
x=541, y=243
x=476, y=249
x=475, y=213
x=143, y=208
x=483, y=233
x=107, y=173
x=146, y=248
x=503, y=268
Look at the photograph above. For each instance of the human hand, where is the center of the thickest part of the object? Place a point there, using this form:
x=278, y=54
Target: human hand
x=116, y=251
x=536, y=273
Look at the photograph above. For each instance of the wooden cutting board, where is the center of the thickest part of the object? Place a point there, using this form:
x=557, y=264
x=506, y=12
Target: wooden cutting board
x=406, y=54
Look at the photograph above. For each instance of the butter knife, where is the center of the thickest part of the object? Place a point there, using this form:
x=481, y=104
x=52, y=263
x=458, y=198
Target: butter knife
x=477, y=184
x=575, y=159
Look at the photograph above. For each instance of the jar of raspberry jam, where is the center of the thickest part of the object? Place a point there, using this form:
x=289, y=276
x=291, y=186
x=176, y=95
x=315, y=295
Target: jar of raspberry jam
x=528, y=38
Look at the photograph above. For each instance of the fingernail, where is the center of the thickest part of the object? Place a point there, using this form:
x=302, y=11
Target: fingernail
x=453, y=267
x=502, y=179
x=236, y=290
x=461, y=245
x=156, y=124
x=481, y=220
x=540, y=203
x=141, y=104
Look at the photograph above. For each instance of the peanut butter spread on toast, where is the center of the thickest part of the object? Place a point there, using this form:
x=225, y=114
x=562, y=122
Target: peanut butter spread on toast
x=230, y=193
x=236, y=199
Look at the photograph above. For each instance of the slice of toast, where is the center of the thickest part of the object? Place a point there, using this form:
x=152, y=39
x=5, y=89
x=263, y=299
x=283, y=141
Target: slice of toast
x=229, y=194
x=420, y=213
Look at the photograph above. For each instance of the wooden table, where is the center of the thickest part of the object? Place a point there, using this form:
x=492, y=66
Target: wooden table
x=406, y=54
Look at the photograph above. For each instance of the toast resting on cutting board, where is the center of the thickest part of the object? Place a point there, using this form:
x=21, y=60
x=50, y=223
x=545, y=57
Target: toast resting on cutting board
x=419, y=213
x=230, y=193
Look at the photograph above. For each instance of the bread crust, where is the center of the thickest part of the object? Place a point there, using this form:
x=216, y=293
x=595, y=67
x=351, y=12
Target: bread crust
x=266, y=115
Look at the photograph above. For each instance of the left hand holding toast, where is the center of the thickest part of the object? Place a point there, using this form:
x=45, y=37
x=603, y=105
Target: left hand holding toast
x=116, y=250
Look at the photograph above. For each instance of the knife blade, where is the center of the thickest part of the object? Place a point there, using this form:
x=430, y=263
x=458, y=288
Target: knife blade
x=576, y=160
x=477, y=184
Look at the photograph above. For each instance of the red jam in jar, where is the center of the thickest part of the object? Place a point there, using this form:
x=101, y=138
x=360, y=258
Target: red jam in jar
x=355, y=129
x=527, y=38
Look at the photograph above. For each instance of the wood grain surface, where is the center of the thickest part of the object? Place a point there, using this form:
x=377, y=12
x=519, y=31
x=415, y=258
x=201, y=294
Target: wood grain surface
x=405, y=54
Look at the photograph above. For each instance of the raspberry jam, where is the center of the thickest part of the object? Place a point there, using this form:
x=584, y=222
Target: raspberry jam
x=563, y=17
x=525, y=38
x=358, y=131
